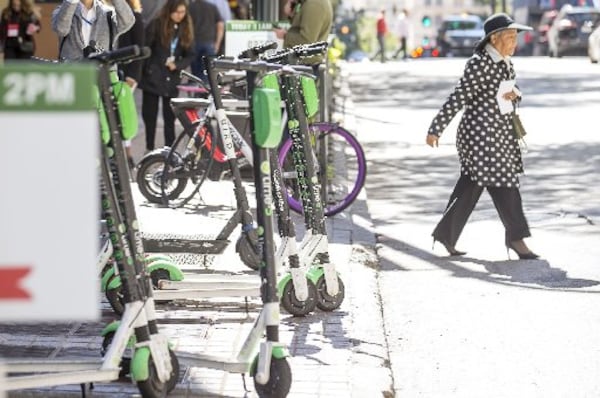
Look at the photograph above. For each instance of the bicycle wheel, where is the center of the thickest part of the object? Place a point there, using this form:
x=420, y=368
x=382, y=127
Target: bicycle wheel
x=344, y=163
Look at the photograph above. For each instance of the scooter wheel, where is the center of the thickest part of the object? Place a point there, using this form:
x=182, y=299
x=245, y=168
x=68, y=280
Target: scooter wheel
x=153, y=387
x=156, y=276
x=280, y=380
x=246, y=249
x=326, y=302
x=292, y=305
x=115, y=298
x=149, y=179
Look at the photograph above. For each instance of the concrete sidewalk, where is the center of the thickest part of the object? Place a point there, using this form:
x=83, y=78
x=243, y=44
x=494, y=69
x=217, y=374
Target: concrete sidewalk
x=338, y=354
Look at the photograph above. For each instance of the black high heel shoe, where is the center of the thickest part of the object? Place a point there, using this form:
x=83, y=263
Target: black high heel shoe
x=522, y=256
x=450, y=249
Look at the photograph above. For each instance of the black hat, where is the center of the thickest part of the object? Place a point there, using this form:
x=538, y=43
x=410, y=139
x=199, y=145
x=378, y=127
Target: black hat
x=496, y=23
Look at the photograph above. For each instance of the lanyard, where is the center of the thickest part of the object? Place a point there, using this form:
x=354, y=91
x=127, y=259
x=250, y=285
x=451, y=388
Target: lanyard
x=174, y=45
x=88, y=21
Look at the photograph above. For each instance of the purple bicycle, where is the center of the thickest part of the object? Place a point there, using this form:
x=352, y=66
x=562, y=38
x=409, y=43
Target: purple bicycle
x=342, y=167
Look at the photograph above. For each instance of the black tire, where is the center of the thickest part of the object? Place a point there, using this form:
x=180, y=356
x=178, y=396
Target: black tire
x=157, y=275
x=115, y=298
x=292, y=305
x=149, y=179
x=152, y=387
x=174, y=379
x=125, y=363
x=280, y=380
x=247, y=251
x=325, y=302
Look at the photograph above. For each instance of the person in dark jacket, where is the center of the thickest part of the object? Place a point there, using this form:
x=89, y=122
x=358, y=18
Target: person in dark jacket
x=19, y=22
x=488, y=148
x=170, y=37
x=209, y=30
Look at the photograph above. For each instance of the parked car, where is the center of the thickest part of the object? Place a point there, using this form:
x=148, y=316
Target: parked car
x=594, y=45
x=458, y=34
x=571, y=29
x=541, y=33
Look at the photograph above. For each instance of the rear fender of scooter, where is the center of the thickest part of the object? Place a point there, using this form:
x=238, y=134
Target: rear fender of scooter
x=175, y=273
x=314, y=273
x=110, y=328
x=105, y=278
x=156, y=257
x=115, y=283
x=282, y=283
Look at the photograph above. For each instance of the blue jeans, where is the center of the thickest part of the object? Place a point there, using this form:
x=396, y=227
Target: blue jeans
x=198, y=68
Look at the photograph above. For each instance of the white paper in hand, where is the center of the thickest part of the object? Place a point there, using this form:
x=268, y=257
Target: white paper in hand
x=505, y=106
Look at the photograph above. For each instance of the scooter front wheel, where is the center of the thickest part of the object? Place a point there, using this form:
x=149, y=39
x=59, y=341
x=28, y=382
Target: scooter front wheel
x=325, y=301
x=291, y=304
x=280, y=380
x=150, y=176
x=152, y=387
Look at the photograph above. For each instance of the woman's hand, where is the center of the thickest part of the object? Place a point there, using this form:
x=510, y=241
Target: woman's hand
x=510, y=96
x=131, y=82
x=432, y=140
x=279, y=33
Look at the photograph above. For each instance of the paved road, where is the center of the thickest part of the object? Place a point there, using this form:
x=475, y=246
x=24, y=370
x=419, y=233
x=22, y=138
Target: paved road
x=482, y=325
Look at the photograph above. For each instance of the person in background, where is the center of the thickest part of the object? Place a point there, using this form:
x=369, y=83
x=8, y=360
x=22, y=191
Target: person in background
x=82, y=25
x=381, y=32
x=209, y=30
x=488, y=148
x=170, y=37
x=311, y=22
x=402, y=28
x=150, y=9
x=131, y=72
x=240, y=9
x=19, y=22
x=225, y=13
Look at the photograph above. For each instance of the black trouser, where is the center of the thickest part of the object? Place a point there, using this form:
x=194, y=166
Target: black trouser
x=402, y=48
x=462, y=202
x=381, y=51
x=150, y=113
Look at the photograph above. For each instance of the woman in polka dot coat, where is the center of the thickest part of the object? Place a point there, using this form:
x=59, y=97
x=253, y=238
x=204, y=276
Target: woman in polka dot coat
x=488, y=149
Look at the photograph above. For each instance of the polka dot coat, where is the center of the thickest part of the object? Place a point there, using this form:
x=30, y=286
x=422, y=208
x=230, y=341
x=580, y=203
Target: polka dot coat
x=487, y=147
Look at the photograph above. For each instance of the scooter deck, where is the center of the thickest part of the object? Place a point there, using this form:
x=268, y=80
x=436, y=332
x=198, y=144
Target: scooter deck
x=195, y=244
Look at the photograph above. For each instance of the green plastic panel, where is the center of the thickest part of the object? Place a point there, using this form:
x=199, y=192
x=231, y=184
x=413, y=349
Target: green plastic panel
x=311, y=96
x=266, y=111
x=125, y=106
x=271, y=81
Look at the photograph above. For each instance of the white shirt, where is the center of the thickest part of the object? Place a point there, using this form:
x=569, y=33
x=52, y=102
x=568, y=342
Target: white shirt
x=402, y=25
x=88, y=17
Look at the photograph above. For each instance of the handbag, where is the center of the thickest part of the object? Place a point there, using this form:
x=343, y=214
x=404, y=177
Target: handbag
x=518, y=128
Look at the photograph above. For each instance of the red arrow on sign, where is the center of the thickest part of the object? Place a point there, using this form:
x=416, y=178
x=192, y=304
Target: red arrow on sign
x=10, y=278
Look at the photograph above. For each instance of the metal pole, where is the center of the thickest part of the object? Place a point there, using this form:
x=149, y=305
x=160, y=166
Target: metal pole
x=266, y=10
